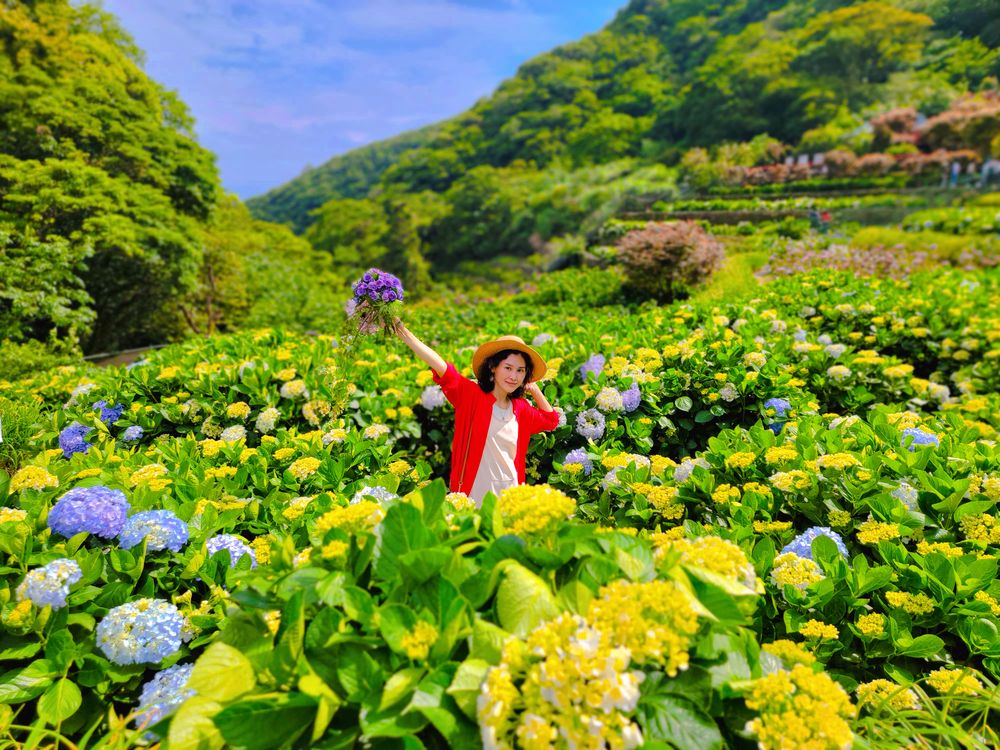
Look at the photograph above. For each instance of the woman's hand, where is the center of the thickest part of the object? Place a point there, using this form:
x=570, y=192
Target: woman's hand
x=532, y=389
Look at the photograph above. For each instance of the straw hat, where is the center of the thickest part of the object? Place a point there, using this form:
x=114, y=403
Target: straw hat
x=487, y=350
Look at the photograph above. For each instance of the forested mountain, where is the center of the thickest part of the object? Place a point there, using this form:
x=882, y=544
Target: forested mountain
x=113, y=227
x=665, y=75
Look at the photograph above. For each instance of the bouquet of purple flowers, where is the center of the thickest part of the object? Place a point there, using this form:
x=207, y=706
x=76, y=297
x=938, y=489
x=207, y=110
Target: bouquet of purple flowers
x=377, y=302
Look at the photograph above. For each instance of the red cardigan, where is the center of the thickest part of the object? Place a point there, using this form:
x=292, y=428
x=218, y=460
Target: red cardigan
x=473, y=411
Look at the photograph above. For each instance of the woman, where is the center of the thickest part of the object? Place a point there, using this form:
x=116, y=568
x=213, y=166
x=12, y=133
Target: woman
x=493, y=421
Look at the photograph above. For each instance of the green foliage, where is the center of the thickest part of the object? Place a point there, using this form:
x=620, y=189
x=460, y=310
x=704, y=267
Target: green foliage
x=20, y=360
x=21, y=422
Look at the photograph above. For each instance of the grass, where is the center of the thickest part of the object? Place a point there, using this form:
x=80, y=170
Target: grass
x=734, y=280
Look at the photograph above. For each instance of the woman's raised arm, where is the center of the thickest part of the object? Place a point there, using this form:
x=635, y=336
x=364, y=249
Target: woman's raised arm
x=428, y=355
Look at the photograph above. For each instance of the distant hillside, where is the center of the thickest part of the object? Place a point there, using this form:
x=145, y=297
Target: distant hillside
x=668, y=74
x=350, y=175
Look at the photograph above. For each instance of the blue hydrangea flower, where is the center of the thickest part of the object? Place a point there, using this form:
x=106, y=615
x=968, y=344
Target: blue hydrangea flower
x=109, y=414
x=579, y=456
x=907, y=494
x=590, y=424
x=235, y=546
x=163, y=695
x=98, y=510
x=631, y=398
x=133, y=433
x=920, y=437
x=73, y=439
x=781, y=407
x=49, y=584
x=140, y=632
x=376, y=493
x=595, y=365
x=802, y=544
x=432, y=397
x=161, y=529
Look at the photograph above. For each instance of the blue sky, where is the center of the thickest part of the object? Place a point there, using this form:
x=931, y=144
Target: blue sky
x=278, y=86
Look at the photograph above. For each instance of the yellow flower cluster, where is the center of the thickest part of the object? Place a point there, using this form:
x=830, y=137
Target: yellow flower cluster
x=534, y=510
x=983, y=529
x=789, y=481
x=942, y=548
x=32, y=477
x=994, y=605
x=915, y=604
x=904, y=420
x=283, y=454
x=954, y=681
x=771, y=527
x=713, y=553
x=779, y=454
x=873, y=532
x=740, y=460
x=885, y=694
x=150, y=475
x=460, y=501
x=820, y=631
x=898, y=371
x=659, y=464
x=790, y=652
x=399, y=468
x=261, y=547
x=94, y=471
x=218, y=472
x=725, y=493
x=238, y=410
x=577, y=690
x=838, y=518
x=304, y=467
x=417, y=643
x=12, y=515
x=991, y=488
x=654, y=621
x=334, y=550
x=757, y=488
x=837, y=461
x=791, y=570
x=800, y=709
x=19, y=616
x=362, y=516
x=296, y=507
x=872, y=625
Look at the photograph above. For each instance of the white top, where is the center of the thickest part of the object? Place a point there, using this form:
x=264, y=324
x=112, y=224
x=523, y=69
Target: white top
x=496, y=469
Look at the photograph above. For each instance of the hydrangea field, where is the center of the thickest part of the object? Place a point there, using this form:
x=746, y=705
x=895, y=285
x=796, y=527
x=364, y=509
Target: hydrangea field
x=766, y=522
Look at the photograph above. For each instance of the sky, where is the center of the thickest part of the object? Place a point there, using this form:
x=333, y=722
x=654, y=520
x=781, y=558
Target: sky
x=278, y=86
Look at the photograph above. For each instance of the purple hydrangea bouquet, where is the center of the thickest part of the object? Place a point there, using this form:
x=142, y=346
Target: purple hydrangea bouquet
x=377, y=302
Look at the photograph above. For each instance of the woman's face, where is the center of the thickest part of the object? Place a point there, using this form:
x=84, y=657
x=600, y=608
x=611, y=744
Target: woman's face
x=510, y=373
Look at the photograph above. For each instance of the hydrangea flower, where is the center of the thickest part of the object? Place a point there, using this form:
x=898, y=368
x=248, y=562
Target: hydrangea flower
x=376, y=493
x=49, y=584
x=609, y=400
x=161, y=529
x=163, y=694
x=140, y=632
x=802, y=544
x=590, y=424
x=432, y=397
x=233, y=433
x=235, y=546
x=267, y=419
x=919, y=437
x=109, y=414
x=683, y=471
x=781, y=407
x=377, y=286
x=562, y=416
x=542, y=338
x=98, y=510
x=579, y=456
x=133, y=433
x=631, y=398
x=593, y=365
x=73, y=439
x=906, y=494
